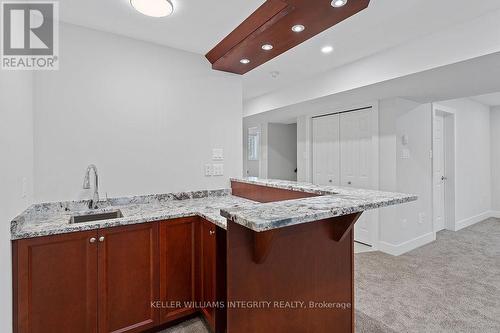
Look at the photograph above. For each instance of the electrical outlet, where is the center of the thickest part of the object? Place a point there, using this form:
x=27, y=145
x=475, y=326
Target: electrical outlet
x=421, y=218
x=208, y=170
x=217, y=154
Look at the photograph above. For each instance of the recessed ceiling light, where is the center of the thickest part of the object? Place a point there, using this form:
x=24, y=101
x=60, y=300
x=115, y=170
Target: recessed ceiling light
x=245, y=61
x=339, y=3
x=267, y=47
x=327, y=49
x=154, y=8
x=298, y=28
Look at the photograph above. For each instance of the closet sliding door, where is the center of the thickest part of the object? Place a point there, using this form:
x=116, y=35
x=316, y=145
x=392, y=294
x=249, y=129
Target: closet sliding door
x=342, y=155
x=326, y=150
x=356, y=160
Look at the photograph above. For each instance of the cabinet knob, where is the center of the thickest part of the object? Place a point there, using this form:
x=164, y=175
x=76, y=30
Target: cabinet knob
x=349, y=183
x=212, y=232
x=101, y=239
x=330, y=181
x=92, y=240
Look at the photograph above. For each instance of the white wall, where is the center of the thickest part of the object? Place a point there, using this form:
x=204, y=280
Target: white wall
x=148, y=116
x=495, y=159
x=16, y=149
x=405, y=227
x=473, y=162
x=282, y=151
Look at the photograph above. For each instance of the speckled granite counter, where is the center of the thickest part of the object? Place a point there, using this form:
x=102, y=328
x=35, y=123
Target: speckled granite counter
x=215, y=206
x=332, y=201
x=53, y=218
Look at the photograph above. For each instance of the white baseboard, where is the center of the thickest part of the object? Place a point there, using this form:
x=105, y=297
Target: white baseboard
x=399, y=249
x=475, y=219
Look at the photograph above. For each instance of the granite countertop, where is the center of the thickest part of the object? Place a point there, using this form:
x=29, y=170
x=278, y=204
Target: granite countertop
x=215, y=206
x=53, y=218
x=332, y=201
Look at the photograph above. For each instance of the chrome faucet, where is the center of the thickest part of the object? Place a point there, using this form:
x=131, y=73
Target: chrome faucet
x=86, y=185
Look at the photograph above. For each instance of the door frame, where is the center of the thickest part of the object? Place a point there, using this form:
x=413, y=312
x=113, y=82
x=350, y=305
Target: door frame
x=246, y=133
x=449, y=139
x=375, y=175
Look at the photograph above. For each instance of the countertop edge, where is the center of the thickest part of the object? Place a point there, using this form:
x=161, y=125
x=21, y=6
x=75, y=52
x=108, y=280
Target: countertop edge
x=328, y=195
x=308, y=218
x=65, y=229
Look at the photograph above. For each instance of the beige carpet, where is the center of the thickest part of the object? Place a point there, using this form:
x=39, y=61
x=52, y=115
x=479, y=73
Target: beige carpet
x=451, y=285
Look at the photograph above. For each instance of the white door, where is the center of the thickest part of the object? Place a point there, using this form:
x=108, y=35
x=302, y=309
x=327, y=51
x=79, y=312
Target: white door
x=356, y=164
x=438, y=162
x=326, y=150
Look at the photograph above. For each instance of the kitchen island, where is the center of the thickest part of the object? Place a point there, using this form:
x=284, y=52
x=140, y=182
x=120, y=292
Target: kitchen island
x=271, y=256
x=293, y=255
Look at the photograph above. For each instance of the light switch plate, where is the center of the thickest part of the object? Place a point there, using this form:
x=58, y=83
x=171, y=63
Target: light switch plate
x=405, y=153
x=208, y=170
x=218, y=154
x=218, y=169
x=421, y=218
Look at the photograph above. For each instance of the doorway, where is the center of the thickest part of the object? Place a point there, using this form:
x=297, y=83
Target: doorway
x=253, y=158
x=282, y=151
x=443, y=167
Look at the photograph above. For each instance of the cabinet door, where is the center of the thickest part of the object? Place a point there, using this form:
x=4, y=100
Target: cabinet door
x=55, y=283
x=128, y=278
x=208, y=269
x=177, y=267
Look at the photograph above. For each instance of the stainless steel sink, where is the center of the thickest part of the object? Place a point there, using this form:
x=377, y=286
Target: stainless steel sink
x=96, y=216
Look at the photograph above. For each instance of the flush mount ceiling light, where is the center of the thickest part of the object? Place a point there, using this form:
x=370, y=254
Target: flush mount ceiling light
x=339, y=3
x=267, y=47
x=245, y=61
x=153, y=8
x=327, y=49
x=298, y=28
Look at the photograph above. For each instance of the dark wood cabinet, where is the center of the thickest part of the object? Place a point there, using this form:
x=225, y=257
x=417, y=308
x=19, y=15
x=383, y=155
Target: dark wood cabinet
x=208, y=270
x=128, y=278
x=55, y=283
x=106, y=280
x=178, y=268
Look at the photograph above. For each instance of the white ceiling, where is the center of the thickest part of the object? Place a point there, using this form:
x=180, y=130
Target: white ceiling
x=195, y=26
x=198, y=25
x=488, y=99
